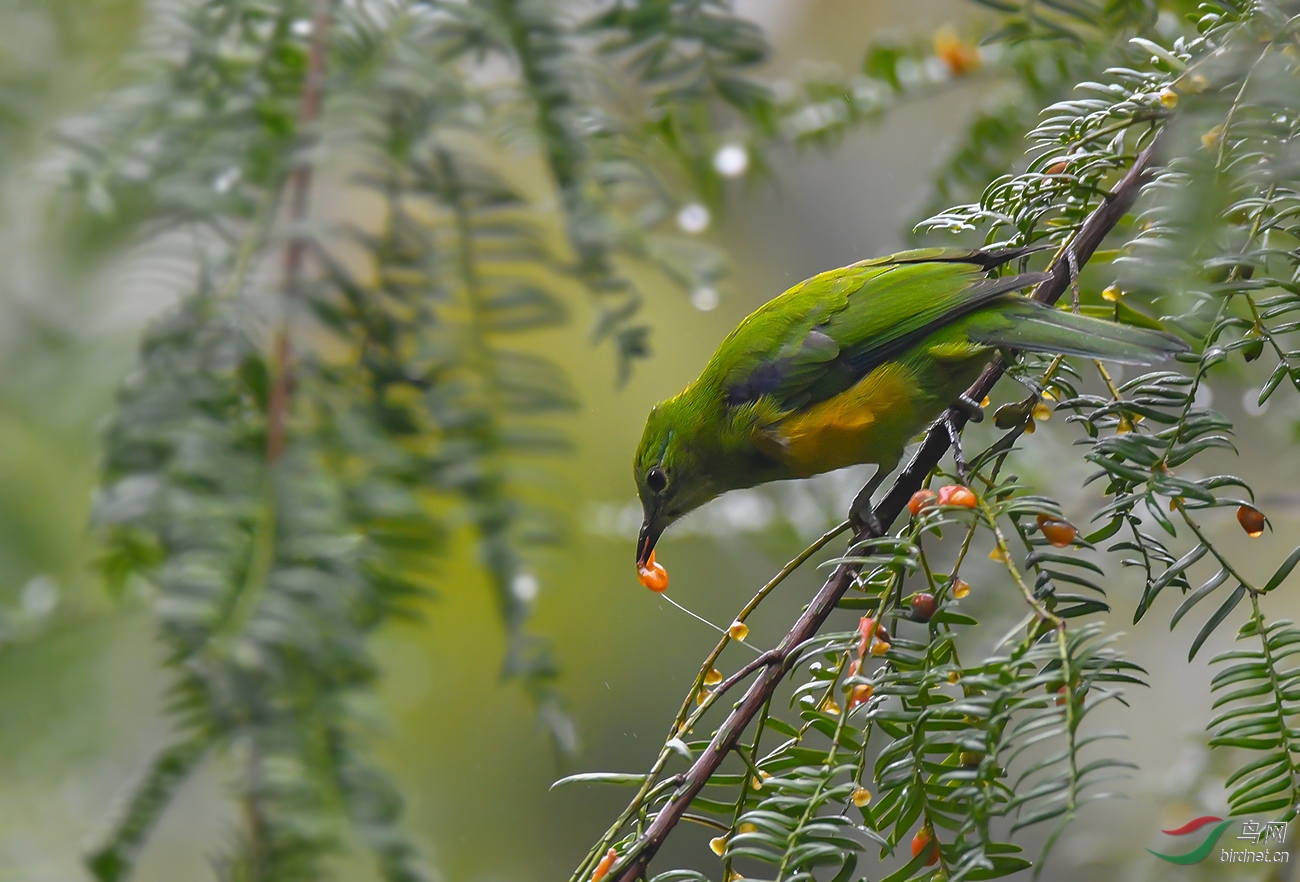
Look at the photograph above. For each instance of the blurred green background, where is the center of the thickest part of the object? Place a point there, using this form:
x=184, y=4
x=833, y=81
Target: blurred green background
x=81, y=690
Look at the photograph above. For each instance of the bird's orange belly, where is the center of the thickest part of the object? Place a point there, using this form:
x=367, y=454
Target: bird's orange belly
x=870, y=422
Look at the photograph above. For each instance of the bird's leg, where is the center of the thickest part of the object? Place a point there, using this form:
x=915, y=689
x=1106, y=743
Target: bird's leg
x=970, y=407
x=861, y=512
x=954, y=435
x=1072, y=261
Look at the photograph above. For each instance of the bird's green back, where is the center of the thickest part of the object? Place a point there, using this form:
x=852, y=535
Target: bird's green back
x=821, y=336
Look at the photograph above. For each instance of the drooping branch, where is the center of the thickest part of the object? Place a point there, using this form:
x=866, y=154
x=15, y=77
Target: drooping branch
x=1062, y=272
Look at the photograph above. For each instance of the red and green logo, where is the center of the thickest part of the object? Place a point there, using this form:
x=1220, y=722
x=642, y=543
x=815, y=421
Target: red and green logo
x=1200, y=852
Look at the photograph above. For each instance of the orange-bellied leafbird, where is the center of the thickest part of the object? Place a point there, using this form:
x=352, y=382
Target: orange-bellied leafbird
x=847, y=367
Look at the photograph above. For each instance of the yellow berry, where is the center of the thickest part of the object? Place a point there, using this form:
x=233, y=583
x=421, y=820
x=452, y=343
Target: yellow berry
x=738, y=631
x=1042, y=411
x=879, y=647
x=830, y=707
x=746, y=828
x=718, y=845
x=960, y=588
x=1210, y=140
x=998, y=554
x=861, y=796
x=713, y=677
x=1169, y=98
x=1111, y=293
x=954, y=677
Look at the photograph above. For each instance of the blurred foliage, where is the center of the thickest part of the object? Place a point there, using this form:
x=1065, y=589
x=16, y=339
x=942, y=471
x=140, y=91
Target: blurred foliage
x=334, y=395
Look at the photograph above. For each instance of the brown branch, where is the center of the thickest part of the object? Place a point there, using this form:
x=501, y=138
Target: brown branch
x=295, y=250
x=933, y=447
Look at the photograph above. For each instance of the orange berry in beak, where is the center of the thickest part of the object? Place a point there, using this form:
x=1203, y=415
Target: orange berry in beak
x=1251, y=520
x=1058, y=532
x=653, y=575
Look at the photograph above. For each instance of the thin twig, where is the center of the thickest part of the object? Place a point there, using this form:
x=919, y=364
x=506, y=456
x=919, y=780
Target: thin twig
x=932, y=448
x=295, y=250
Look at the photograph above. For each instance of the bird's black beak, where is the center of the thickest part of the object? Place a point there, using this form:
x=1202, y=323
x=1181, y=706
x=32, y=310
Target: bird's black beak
x=645, y=543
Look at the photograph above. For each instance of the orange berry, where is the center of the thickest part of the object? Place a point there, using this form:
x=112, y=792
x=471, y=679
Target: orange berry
x=924, y=839
x=868, y=631
x=1061, y=697
x=861, y=796
x=880, y=647
x=738, y=631
x=860, y=695
x=956, y=494
x=960, y=588
x=653, y=575
x=854, y=666
x=1251, y=520
x=923, y=607
x=920, y=501
x=1056, y=168
x=958, y=55
x=1058, y=532
x=602, y=868
x=998, y=554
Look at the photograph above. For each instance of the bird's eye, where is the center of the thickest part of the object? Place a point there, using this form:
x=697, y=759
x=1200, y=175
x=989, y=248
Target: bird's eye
x=656, y=480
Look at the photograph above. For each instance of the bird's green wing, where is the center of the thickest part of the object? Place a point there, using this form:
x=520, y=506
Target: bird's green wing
x=823, y=335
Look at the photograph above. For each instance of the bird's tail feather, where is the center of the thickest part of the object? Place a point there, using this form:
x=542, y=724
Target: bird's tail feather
x=1020, y=323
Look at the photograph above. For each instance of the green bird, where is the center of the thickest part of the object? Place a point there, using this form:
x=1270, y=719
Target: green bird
x=847, y=367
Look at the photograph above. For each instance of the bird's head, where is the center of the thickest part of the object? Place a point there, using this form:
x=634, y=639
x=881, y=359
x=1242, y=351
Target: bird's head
x=671, y=471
